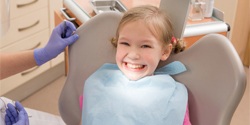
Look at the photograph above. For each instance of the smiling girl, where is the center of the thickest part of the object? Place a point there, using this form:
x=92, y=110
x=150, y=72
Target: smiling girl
x=133, y=91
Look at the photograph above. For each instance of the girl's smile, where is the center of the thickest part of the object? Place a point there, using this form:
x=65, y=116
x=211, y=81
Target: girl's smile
x=138, y=50
x=134, y=67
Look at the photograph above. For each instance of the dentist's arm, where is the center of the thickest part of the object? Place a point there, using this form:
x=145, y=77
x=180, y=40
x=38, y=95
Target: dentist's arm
x=12, y=63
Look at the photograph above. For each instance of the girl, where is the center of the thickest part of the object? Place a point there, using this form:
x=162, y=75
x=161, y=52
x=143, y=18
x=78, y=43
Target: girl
x=134, y=92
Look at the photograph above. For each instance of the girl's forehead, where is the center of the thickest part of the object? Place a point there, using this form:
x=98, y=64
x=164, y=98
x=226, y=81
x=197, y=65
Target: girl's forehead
x=149, y=26
x=152, y=26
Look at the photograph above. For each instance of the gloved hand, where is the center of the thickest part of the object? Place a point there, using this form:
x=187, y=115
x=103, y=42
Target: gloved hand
x=16, y=115
x=60, y=38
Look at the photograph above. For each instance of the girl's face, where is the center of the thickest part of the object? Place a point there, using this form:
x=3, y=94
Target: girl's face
x=139, y=51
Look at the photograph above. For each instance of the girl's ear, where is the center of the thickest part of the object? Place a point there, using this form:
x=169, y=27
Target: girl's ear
x=166, y=52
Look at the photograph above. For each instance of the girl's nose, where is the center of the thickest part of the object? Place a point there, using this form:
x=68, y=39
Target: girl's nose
x=133, y=54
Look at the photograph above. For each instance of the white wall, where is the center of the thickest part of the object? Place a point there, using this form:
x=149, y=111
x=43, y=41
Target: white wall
x=229, y=7
x=237, y=15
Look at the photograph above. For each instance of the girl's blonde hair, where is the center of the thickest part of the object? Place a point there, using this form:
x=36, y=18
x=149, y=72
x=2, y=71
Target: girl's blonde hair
x=156, y=20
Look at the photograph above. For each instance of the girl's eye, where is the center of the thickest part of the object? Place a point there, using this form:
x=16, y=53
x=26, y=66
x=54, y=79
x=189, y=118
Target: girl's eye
x=146, y=46
x=124, y=43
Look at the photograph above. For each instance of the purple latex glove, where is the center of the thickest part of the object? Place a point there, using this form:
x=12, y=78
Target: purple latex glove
x=16, y=115
x=60, y=38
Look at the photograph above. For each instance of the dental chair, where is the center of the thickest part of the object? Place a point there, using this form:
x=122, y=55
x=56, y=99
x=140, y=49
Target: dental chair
x=215, y=77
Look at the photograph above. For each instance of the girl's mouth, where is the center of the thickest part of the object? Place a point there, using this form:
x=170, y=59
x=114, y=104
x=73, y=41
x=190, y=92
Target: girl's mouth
x=134, y=66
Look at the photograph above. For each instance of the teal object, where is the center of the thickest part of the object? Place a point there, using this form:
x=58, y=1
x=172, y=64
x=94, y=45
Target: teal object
x=112, y=99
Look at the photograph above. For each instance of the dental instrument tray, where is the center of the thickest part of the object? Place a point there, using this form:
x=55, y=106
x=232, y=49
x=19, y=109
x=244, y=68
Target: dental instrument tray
x=100, y=6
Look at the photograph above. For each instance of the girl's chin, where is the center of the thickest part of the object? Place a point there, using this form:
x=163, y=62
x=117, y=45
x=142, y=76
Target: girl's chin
x=133, y=76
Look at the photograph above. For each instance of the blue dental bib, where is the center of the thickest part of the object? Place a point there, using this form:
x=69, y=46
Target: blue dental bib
x=112, y=99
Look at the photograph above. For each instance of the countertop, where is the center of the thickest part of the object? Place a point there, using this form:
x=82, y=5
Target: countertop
x=85, y=5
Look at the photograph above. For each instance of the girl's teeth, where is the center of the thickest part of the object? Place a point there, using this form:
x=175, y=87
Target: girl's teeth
x=134, y=66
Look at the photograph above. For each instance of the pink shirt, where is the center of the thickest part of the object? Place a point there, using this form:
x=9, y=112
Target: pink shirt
x=186, y=118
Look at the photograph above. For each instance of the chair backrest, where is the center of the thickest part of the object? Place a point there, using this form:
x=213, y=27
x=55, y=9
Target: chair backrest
x=215, y=77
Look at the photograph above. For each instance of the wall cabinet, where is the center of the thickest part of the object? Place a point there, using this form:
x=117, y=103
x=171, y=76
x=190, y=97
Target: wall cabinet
x=34, y=41
x=30, y=28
